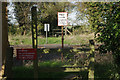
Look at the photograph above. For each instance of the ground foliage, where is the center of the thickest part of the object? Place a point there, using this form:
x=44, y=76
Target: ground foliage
x=104, y=19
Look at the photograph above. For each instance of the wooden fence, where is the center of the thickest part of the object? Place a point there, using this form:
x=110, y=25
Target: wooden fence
x=58, y=32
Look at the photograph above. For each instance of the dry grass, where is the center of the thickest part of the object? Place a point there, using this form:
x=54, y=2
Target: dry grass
x=79, y=39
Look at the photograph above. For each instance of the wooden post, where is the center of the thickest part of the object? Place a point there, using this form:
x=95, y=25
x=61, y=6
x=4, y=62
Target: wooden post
x=0, y=40
x=91, y=60
x=0, y=35
x=34, y=39
x=66, y=30
x=9, y=62
x=73, y=29
x=4, y=36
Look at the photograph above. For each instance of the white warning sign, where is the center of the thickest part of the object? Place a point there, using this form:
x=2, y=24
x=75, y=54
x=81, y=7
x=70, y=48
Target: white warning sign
x=62, y=19
x=46, y=27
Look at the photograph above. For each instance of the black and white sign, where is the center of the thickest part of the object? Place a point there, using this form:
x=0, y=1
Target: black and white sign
x=62, y=19
x=46, y=27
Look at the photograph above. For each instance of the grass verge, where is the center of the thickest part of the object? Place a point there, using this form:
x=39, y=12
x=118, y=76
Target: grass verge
x=53, y=70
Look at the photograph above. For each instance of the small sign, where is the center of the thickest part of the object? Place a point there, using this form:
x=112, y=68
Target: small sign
x=46, y=27
x=62, y=19
x=26, y=54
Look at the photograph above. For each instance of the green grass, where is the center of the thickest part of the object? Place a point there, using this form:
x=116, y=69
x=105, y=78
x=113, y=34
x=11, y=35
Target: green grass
x=53, y=70
x=50, y=64
x=73, y=39
x=27, y=40
x=48, y=69
x=51, y=40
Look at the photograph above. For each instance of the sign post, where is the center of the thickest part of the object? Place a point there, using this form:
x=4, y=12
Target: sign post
x=46, y=28
x=62, y=38
x=34, y=39
x=62, y=21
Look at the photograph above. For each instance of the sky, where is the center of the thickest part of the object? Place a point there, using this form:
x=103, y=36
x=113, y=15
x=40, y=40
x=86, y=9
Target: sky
x=11, y=13
x=74, y=20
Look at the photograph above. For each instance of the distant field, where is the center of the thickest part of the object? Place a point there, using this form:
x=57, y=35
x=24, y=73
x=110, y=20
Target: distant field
x=73, y=39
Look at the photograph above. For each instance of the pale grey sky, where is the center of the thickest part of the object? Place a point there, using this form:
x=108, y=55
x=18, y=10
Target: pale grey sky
x=74, y=20
x=11, y=13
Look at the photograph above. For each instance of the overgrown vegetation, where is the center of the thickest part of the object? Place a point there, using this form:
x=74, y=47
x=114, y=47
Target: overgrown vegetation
x=104, y=19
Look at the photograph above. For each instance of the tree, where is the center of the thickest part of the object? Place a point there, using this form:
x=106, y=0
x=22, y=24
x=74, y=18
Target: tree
x=48, y=12
x=93, y=11
x=110, y=32
x=22, y=9
x=104, y=19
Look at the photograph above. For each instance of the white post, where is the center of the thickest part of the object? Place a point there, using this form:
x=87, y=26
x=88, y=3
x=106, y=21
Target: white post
x=46, y=32
x=46, y=28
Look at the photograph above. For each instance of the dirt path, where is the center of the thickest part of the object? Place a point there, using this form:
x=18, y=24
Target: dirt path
x=46, y=46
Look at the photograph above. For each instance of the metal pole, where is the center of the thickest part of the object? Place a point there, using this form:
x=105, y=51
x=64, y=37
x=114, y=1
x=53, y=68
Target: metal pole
x=62, y=45
x=34, y=39
x=46, y=32
x=62, y=38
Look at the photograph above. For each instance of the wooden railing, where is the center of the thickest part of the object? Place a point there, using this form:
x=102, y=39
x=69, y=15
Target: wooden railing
x=57, y=32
